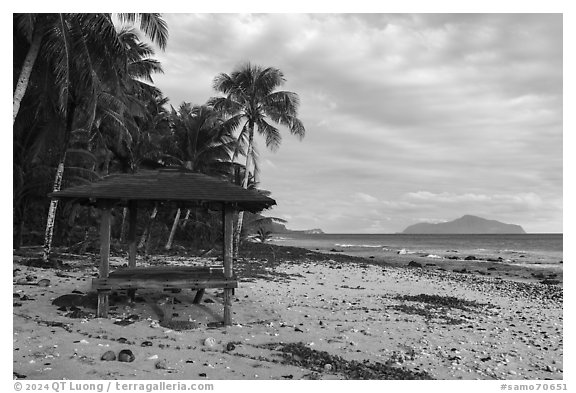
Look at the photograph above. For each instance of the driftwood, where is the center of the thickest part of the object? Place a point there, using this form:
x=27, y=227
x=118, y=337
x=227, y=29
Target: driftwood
x=63, y=325
x=42, y=283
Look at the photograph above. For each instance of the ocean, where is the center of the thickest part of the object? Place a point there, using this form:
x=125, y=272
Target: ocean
x=527, y=249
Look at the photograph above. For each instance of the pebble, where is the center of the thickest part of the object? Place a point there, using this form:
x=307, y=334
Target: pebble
x=43, y=283
x=126, y=356
x=328, y=367
x=108, y=356
x=210, y=342
x=161, y=365
x=230, y=347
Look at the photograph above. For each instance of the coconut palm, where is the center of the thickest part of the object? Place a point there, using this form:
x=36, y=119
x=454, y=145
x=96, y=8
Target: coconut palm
x=129, y=131
x=201, y=139
x=81, y=51
x=253, y=104
x=58, y=37
x=131, y=111
x=201, y=142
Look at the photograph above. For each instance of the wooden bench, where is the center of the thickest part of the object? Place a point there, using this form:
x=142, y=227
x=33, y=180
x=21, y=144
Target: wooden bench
x=166, y=278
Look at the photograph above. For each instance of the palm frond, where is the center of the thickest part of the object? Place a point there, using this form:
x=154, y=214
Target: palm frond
x=241, y=146
x=144, y=69
x=151, y=24
x=119, y=122
x=271, y=134
x=89, y=173
x=281, y=101
x=223, y=83
x=297, y=127
x=267, y=80
x=82, y=152
x=26, y=24
x=62, y=66
x=226, y=105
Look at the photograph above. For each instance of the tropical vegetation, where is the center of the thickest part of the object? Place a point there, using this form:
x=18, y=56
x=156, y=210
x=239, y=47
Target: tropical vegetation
x=254, y=105
x=85, y=106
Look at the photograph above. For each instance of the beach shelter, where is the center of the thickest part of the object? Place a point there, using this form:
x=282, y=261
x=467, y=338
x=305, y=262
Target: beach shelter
x=148, y=188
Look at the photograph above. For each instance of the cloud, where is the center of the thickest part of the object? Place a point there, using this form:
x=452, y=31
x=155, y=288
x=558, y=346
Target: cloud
x=466, y=108
x=528, y=200
x=365, y=197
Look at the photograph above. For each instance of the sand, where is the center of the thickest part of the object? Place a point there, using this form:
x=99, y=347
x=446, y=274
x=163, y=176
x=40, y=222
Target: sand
x=311, y=317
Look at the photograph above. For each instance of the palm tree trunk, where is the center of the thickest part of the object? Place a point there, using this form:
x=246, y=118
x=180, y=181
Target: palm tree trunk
x=48, y=235
x=238, y=231
x=187, y=165
x=186, y=218
x=144, y=237
x=19, y=221
x=173, y=231
x=123, y=226
x=26, y=71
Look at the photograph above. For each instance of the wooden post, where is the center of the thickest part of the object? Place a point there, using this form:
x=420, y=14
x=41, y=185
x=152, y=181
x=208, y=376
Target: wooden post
x=133, y=212
x=199, y=295
x=104, y=262
x=228, y=218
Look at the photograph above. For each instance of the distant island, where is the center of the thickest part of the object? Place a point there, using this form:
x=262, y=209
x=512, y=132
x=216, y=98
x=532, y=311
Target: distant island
x=270, y=225
x=465, y=225
x=278, y=228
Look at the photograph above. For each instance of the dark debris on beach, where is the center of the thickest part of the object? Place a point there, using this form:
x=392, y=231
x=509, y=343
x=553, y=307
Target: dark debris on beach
x=428, y=314
x=275, y=255
x=298, y=354
x=258, y=260
x=437, y=307
x=444, y=301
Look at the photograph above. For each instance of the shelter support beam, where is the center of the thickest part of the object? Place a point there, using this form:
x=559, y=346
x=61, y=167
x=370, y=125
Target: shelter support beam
x=104, y=260
x=228, y=219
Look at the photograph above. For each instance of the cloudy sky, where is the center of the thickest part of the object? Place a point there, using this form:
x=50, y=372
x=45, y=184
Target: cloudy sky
x=409, y=117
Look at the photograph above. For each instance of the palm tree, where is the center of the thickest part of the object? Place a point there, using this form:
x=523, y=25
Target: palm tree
x=130, y=126
x=263, y=235
x=131, y=109
x=81, y=51
x=250, y=101
x=57, y=36
x=202, y=142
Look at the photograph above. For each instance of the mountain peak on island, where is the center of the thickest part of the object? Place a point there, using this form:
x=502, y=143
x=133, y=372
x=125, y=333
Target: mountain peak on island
x=467, y=224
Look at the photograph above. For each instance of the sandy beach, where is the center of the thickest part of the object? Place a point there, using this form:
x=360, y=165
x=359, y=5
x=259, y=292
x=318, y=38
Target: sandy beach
x=297, y=314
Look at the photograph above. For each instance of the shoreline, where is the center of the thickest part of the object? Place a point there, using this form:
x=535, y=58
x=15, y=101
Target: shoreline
x=524, y=268
x=295, y=312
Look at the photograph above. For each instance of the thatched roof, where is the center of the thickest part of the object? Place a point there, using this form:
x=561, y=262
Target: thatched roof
x=180, y=186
